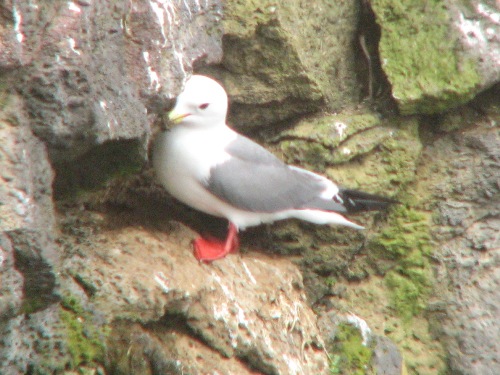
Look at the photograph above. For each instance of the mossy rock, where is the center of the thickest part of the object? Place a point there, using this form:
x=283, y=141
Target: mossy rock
x=286, y=59
x=383, y=160
x=406, y=241
x=327, y=140
x=85, y=339
x=348, y=353
x=389, y=166
x=421, y=56
x=356, y=150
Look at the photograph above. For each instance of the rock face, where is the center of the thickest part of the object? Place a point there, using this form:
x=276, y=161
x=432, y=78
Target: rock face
x=440, y=54
x=77, y=81
x=467, y=213
x=96, y=270
x=251, y=310
x=86, y=66
x=283, y=59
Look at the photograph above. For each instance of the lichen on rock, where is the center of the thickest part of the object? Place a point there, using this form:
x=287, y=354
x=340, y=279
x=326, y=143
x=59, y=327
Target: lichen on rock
x=96, y=270
x=420, y=54
x=407, y=241
x=282, y=59
x=251, y=310
x=85, y=339
x=357, y=150
x=353, y=356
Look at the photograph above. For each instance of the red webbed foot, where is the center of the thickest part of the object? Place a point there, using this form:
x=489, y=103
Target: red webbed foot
x=210, y=249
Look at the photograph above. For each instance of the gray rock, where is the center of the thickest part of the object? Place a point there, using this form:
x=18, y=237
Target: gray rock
x=88, y=67
x=478, y=25
x=468, y=272
x=83, y=84
x=80, y=80
x=30, y=258
x=387, y=359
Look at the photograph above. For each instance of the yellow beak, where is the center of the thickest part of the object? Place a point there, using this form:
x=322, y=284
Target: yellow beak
x=176, y=117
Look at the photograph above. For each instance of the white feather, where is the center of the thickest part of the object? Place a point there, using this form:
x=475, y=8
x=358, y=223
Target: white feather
x=184, y=156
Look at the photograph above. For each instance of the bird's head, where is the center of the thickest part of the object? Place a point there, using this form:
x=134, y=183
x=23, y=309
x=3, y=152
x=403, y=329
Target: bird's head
x=203, y=103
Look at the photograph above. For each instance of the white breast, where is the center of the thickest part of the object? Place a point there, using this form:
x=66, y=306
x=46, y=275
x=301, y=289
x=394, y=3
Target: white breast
x=182, y=159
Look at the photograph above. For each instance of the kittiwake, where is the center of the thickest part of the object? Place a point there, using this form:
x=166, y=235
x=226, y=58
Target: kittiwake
x=208, y=166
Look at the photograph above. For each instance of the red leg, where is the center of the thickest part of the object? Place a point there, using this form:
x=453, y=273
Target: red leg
x=207, y=250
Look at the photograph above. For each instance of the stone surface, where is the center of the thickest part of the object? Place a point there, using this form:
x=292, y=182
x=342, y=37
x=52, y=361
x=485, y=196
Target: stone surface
x=478, y=25
x=440, y=54
x=282, y=59
x=362, y=351
x=79, y=81
x=250, y=309
x=96, y=270
x=467, y=203
x=28, y=252
x=381, y=274
x=387, y=359
x=89, y=67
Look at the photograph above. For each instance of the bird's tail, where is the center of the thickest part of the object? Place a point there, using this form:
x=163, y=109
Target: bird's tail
x=358, y=201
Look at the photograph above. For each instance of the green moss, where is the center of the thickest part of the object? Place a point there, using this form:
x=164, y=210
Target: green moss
x=330, y=281
x=407, y=233
x=33, y=304
x=4, y=93
x=406, y=295
x=71, y=303
x=85, y=340
x=349, y=355
x=333, y=129
x=241, y=17
x=398, y=161
x=318, y=68
x=335, y=364
x=406, y=241
x=259, y=33
x=419, y=51
x=389, y=168
x=311, y=154
x=328, y=140
x=258, y=44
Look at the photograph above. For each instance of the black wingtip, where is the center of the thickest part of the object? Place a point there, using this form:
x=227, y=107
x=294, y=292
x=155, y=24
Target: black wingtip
x=358, y=201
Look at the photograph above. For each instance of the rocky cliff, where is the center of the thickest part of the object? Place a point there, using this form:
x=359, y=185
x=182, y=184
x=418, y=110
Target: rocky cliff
x=396, y=98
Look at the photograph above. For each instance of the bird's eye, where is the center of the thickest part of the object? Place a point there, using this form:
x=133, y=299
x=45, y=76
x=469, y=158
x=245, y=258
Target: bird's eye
x=203, y=106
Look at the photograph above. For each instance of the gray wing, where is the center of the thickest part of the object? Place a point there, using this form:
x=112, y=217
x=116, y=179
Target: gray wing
x=244, y=148
x=256, y=180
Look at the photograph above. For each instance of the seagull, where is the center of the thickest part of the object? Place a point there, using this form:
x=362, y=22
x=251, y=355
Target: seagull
x=207, y=165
